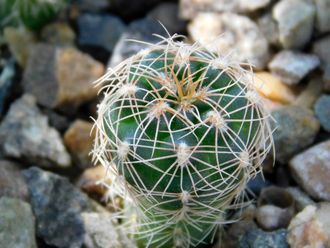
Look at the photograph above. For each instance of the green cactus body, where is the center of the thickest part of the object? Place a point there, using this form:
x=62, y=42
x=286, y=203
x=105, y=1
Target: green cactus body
x=185, y=131
x=31, y=13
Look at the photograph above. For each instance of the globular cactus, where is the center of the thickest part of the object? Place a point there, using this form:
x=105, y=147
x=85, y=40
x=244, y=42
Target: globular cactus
x=183, y=130
x=29, y=13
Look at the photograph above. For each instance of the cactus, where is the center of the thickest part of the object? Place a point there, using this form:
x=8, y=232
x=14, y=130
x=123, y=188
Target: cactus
x=30, y=13
x=183, y=130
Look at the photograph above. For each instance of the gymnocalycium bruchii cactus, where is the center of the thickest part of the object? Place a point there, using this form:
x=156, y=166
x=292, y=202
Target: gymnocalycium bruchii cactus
x=183, y=130
x=29, y=13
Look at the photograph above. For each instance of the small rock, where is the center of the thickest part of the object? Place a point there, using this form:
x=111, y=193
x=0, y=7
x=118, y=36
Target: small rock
x=61, y=76
x=79, y=141
x=17, y=224
x=322, y=111
x=6, y=75
x=12, y=183
x=271, y=105
x=295, y=20
x=140, y=30
x=311, y=170
x=100, y=30
x=91, y=181
x=25, y=134
x=292, y=66
x=296, y=129
x=268, y=27
x=237, y=229
x=301, y=199
x=272, y=87
x=257, y=238
x=322, y=49
x=310, y=227
x=58, y=33
x=190, y=8
x=101, y=232
x=253, y=5
x=310, y=94
x=167, y=14
x=322, y=15
x=239, y=36
x=15, y=37
x=275, y=208
x=58, y=208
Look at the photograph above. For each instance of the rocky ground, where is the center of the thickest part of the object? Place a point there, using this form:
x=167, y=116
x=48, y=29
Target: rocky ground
x=49, y=196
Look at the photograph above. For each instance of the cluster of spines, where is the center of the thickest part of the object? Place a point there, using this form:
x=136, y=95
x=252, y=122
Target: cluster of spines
x=198, y=211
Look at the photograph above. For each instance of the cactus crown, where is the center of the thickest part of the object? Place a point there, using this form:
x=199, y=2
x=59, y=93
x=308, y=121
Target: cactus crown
x=183, y=130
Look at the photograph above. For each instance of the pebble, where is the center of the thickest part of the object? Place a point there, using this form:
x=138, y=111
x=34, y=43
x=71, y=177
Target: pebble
x=311, y=170
x=140, y=30
x=310, y=227
x=268, y=27
x=291, y=66
x=58, y=33
x=322, y=15
x=322, y=111
x=25, y=134
x=257, y=238
x=301, y=199
x=295, y=20
x=7, y=71
x=58, y=208
x=100, y=30
x=12, y=183
x=240, y=37
x=275, y=208
x=296, y=128
x=167, y=14
x=61, y=76
x=310, y=93
x=190, y=8
x=79, y=141
x=103, y=232
x=230, y=238
x=15, y=37
x=322, y=49
x=17, y=224
x=253, y=5
x=90, y=181
x=273, y=88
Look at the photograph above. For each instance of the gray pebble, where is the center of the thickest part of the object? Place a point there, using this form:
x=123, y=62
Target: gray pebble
x=17, y=224
x=58, y=206
x=295, y=20
x=293, y=66
x=25, y=134
x=296, y=128
x=100, y=30
x=257, y=238
x=322, y=111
